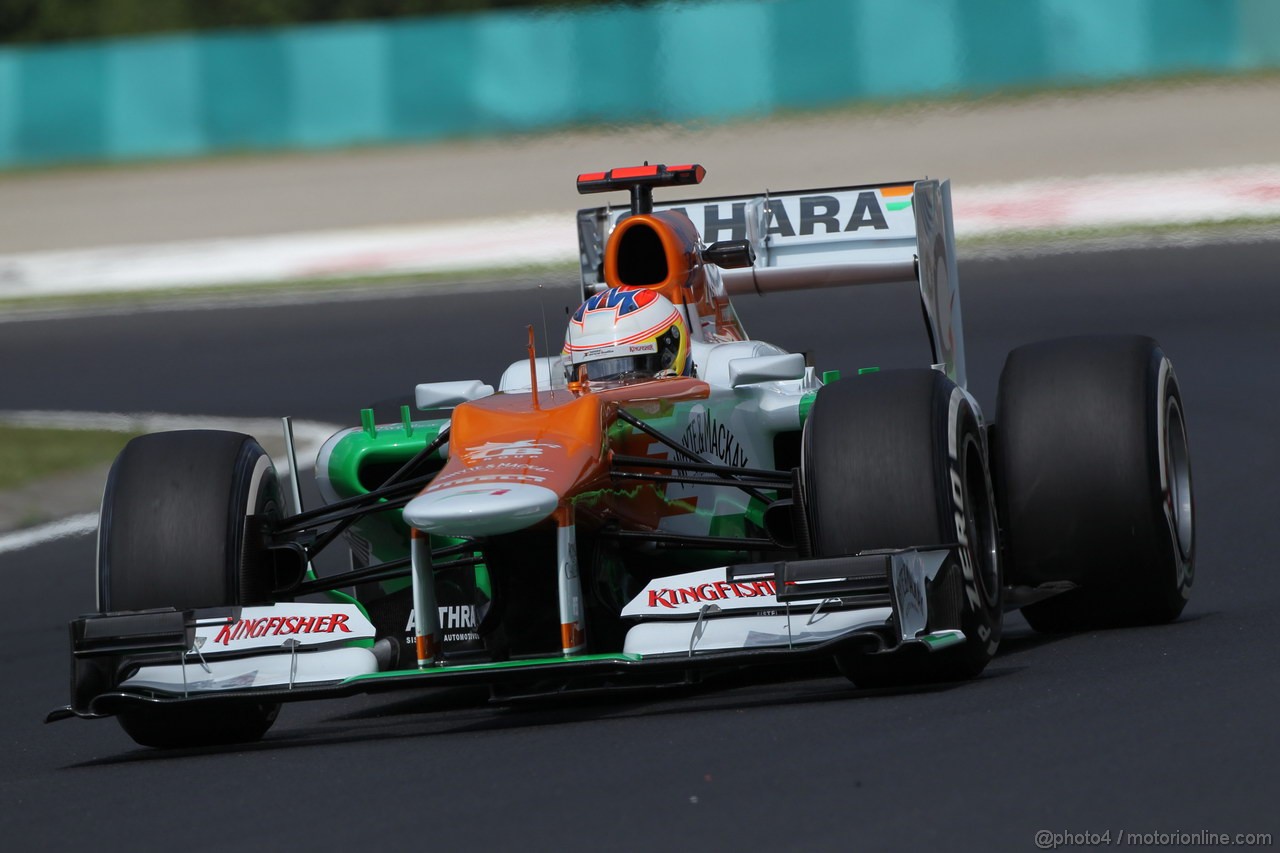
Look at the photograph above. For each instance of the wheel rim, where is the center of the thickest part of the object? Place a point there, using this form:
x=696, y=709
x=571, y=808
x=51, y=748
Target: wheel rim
x=1177, y=462
x=981, y=520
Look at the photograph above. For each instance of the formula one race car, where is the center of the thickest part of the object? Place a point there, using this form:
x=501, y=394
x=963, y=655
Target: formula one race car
x=664, y=497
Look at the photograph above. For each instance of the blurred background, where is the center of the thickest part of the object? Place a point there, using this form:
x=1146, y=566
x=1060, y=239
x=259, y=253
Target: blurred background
x=137, y=121
x=116, y=80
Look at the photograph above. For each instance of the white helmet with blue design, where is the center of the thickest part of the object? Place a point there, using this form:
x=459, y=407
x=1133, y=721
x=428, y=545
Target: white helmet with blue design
x=626, y=334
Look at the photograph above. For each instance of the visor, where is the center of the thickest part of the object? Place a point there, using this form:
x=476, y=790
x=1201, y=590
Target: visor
x=645, y=366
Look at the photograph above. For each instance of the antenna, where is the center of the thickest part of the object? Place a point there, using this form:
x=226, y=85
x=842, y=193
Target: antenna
x=546, y=339
x=533, y=368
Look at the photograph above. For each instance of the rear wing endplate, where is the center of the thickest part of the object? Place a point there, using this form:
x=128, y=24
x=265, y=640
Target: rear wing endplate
x=875, y=234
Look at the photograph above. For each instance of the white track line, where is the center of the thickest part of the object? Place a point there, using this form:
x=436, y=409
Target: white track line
x=308, y=437
x=481, y=244
x=1100, y=201
x=76, y=525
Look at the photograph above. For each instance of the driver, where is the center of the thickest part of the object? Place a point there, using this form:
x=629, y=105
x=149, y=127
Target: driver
x=624, y=335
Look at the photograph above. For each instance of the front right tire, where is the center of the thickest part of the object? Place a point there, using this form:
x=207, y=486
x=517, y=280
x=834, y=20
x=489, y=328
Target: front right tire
x=896, y=459
x=177, y=529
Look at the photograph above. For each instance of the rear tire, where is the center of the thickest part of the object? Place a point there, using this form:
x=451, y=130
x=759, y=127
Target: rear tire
x=175, y=532
x=896, y=459
x=1095, y=481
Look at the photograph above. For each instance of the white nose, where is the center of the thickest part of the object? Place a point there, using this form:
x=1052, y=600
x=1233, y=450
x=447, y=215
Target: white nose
x=485, y=509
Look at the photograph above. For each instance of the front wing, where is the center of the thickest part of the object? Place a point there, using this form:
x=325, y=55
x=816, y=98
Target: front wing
x=760, y=613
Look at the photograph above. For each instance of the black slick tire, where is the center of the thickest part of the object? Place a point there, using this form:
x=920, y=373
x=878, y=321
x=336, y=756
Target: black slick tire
x=176, y=531
x=896, y=459
x=1094, y=478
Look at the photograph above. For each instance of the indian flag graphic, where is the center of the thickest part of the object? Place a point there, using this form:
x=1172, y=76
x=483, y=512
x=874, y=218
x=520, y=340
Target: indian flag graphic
x=902, y=193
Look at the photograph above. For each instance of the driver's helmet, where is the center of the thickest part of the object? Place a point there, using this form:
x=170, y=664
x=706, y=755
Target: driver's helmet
x=626, y=334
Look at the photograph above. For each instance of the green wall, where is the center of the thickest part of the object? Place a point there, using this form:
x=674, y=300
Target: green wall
x=330, y=85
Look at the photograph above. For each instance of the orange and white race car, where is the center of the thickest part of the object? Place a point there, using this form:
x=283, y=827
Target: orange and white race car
x=664, y=496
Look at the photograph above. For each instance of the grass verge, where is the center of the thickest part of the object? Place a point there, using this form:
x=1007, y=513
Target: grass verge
x=29, y=454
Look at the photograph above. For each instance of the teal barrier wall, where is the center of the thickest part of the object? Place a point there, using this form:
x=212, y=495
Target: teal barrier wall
x=333, y=85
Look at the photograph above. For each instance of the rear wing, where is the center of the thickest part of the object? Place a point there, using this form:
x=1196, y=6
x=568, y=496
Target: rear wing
x=874, y=234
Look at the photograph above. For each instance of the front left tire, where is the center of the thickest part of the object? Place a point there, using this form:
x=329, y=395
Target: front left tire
x=1095, y=481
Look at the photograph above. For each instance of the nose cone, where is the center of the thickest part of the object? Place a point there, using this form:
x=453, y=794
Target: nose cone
x=480, y=510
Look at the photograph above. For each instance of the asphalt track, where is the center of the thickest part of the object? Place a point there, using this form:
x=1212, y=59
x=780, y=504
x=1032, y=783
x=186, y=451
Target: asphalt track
x=1168, y=728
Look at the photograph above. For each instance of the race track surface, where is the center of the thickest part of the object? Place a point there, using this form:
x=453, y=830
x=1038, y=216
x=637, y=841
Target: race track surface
x=1168, y=728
